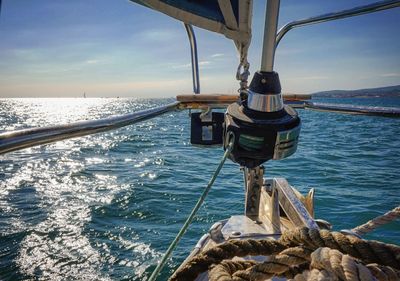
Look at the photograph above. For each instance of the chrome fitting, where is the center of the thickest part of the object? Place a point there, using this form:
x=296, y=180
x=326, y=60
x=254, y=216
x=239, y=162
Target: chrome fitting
x=264, y=102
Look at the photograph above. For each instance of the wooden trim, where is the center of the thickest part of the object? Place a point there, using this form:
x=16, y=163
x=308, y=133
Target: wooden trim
x=203, y=98
x=218, y=98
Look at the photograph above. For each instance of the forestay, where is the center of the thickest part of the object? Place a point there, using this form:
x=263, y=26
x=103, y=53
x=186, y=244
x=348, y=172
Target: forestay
x=229, y=17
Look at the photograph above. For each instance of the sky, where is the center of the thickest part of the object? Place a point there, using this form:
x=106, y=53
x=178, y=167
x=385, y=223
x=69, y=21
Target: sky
x=58, y=48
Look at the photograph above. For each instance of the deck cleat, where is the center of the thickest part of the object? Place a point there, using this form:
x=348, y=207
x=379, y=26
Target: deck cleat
x=262, y=127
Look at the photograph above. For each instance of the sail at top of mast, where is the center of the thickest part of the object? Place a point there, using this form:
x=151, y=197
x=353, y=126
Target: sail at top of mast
x=231, y=18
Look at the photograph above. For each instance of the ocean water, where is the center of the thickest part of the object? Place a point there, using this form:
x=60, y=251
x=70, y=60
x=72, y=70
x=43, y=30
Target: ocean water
x=106, y=206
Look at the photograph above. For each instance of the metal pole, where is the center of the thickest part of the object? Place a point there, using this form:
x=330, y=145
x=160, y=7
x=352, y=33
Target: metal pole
x=195, y=60
x=270, y=28
x=16, y=140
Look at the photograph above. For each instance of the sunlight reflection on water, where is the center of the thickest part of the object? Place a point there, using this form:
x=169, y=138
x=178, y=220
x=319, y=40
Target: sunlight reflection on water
x=67, y=179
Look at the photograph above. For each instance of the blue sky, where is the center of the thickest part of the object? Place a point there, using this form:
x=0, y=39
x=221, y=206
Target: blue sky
x=116, y=48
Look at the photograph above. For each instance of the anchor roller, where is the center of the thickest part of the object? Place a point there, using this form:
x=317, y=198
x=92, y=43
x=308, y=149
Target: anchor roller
x=262, y=127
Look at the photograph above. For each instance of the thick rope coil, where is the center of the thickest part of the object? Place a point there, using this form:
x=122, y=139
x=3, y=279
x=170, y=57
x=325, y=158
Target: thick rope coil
x=315, y=275
x=281, y=264
x=246, y=275
x=343, y=266
x=385, y=273
x=228, y=250
x=326, y=264
x=376, y=222
x=286, y=263
x=227, y=268
x=368, y=251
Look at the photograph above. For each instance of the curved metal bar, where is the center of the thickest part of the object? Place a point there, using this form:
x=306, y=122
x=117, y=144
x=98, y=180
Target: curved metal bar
x=354, y=109
x=195, y=60
x=16, y=140
x=374, y=7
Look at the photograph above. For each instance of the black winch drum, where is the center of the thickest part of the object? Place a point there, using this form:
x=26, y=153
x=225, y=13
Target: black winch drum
x=262, y=127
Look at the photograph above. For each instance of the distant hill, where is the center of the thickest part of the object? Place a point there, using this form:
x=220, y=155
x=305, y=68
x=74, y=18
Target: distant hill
x=391, y=91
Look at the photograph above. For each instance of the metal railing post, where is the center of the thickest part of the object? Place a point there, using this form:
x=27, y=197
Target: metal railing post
x=195, y=60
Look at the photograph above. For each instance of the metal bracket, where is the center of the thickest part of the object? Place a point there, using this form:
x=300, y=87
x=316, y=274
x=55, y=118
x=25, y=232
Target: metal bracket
x=254, y=182
x=275, y=211
x=292, y=206
x=280, y=200
x=266, y=199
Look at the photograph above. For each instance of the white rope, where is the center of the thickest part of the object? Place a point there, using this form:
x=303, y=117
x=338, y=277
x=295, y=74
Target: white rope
x=376, y=222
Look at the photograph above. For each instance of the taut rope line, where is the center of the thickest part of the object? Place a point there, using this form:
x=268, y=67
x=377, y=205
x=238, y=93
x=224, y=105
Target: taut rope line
x=189, y=220
x=376, y=222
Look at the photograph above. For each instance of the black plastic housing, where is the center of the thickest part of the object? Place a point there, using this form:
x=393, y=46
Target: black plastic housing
x=207, y=132
x=265, y=83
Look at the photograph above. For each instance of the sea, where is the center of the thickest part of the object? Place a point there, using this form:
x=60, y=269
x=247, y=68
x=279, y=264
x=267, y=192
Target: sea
x=106, y=206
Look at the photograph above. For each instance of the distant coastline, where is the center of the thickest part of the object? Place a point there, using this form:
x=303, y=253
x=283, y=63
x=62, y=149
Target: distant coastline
x=391, y=91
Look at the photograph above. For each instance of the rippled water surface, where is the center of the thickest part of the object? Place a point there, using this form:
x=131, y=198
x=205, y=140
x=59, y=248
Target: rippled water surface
x=106, y=207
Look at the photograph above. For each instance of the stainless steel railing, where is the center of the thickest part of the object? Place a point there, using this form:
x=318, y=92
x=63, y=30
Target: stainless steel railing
x=15, y=140
x=374, y=7
x=195, y=60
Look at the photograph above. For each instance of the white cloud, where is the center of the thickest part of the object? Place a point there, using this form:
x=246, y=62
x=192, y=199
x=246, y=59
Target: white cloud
x=202, y=63
x=92, y=61
x=189, y=65
x=315, y=77
x=217, y=55
x=392, y=74
x=179, y=66
x=158, y=35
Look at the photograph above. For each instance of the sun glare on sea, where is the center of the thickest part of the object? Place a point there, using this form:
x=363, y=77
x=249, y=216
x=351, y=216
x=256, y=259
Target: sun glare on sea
x=54, y=111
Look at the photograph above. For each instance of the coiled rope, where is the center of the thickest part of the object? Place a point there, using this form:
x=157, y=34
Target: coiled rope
x=300, y=254
x=189, y=220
